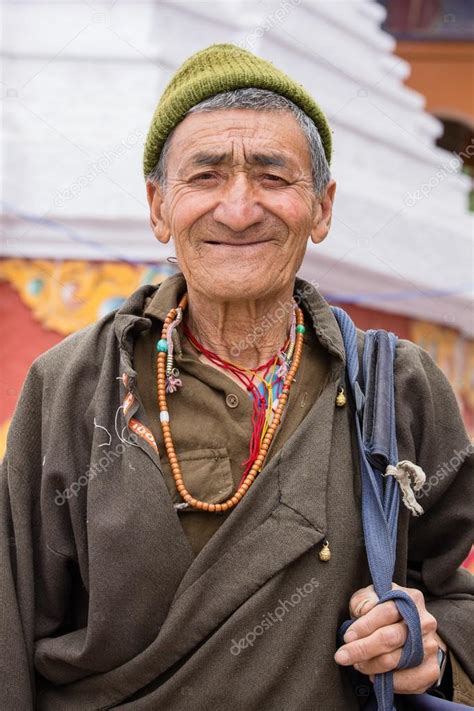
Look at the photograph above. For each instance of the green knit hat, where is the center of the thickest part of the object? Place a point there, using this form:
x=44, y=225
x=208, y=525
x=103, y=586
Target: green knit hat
x=219, y=68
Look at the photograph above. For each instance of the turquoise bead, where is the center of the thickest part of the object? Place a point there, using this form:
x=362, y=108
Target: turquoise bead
x=162, y=346
x=300, y=328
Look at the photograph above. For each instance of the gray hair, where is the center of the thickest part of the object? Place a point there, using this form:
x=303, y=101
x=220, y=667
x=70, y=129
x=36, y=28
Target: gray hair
x=259, y=100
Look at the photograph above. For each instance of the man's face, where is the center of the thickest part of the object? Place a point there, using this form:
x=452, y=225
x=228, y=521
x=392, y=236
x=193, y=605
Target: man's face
x=239, y=202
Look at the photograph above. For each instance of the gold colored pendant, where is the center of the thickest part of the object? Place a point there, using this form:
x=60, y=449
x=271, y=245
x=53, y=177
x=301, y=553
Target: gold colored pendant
x=341, y=398
x=325, y=552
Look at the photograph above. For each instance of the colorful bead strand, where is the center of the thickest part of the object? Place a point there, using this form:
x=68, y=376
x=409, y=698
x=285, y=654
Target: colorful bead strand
x=265, y=427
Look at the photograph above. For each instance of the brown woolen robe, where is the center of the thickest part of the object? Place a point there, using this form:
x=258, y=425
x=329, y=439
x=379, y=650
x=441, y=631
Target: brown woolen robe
x=104, y=604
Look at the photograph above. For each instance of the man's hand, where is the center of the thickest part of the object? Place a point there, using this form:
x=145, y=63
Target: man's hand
x=373, y=643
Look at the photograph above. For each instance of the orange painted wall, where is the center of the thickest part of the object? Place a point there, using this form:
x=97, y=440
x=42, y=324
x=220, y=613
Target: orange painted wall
x=24, y=338
x=444, y=73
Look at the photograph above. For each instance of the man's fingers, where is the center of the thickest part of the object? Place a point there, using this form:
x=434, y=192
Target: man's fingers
x=416, y=680
x=374, y=641
x=379, y=616
x=369, y=616
x=362, y=601
x=379, y=665
x=385, y=639
x=406, y=681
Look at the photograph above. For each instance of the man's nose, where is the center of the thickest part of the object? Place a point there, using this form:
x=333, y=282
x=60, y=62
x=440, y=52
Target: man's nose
x=238, y=208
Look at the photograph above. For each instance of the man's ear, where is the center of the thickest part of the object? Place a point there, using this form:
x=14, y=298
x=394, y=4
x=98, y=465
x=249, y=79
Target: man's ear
x=323, y=214
x=158, y=221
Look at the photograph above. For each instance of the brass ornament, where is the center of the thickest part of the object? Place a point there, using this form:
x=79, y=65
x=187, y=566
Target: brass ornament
x=341, y=398
x=325, y=552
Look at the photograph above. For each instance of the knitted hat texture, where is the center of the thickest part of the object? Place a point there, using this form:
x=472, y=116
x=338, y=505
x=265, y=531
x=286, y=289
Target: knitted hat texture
x=211, y=71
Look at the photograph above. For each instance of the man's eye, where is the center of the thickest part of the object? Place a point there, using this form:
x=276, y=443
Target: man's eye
x=203, y=177
x=272, y=178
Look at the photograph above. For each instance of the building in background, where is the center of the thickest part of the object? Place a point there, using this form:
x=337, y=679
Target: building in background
x=437, y=38
x=80, y=83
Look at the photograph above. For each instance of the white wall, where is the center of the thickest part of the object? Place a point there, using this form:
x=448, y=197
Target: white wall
x=80, y=83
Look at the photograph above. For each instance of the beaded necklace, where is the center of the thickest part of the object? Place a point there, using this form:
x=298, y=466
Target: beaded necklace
x=261, y=394
x=266, y=413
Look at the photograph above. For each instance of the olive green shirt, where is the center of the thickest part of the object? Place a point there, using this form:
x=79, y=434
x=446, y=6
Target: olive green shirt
x=211, y=416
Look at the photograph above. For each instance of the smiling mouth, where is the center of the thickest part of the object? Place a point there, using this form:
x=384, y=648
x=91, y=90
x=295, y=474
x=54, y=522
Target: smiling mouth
x=237, y=244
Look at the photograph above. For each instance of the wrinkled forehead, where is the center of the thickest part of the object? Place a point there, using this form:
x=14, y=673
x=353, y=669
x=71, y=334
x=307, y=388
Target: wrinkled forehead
x=261, y=137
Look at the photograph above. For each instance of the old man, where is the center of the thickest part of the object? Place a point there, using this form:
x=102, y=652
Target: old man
x=181, y=499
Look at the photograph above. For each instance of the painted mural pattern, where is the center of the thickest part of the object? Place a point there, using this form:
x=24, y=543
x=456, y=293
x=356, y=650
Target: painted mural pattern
x=66, y=296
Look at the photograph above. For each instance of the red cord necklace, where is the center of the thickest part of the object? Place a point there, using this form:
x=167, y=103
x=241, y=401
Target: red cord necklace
x=262, y=405
x=168, y=381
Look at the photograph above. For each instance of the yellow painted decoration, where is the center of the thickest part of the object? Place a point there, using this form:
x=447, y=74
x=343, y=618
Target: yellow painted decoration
x=444, y=344
x=66, y=296
x=454, y=354
x=466, y=389
x=3, y=436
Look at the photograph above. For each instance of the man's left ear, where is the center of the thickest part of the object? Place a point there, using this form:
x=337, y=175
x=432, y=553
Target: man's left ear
x=323, y=214
x=158, y=222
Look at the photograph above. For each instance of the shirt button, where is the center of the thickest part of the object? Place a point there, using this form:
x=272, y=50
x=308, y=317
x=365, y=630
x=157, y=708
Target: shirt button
x=232, y=400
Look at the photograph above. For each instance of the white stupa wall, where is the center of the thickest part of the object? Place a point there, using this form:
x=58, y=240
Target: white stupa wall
x=80, y=83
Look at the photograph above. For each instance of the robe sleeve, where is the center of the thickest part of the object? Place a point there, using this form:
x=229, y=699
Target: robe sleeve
x=34, y=574
x=431, y=433
x=463, y=688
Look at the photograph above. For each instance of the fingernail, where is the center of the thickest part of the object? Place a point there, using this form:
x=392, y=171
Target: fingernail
x=358, y=612
x=350, y=636
x=341, y=656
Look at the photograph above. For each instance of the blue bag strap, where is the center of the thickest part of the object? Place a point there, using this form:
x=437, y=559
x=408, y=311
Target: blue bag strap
x=374, y=397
